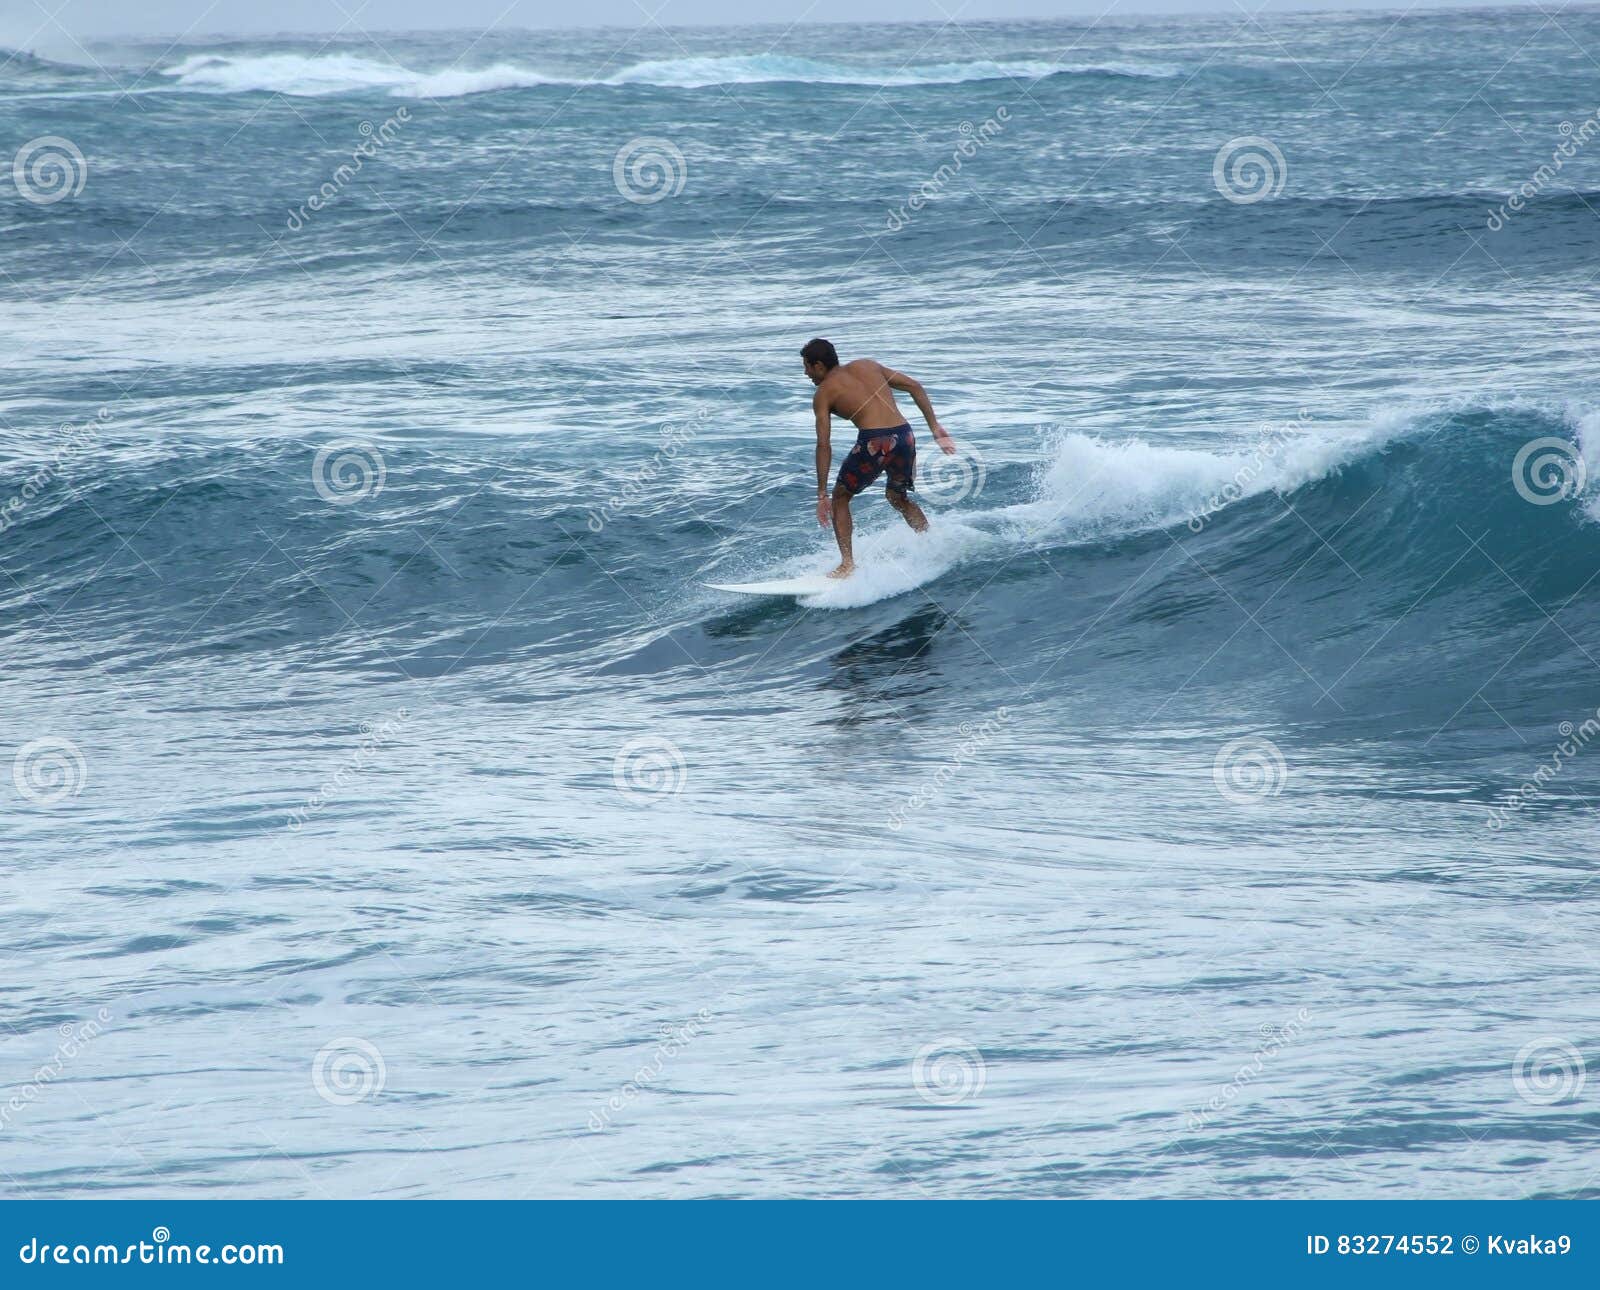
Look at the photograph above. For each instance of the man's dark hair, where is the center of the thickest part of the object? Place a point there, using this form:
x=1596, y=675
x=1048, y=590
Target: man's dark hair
x=821, y=351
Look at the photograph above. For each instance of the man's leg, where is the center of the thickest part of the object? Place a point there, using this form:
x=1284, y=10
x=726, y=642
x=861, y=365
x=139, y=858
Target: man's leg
x=843, y=526
x=910, y=512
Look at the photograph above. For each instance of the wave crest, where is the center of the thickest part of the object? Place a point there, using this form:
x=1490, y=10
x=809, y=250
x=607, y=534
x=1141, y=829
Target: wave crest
x=323, y=74
x=1432, y=472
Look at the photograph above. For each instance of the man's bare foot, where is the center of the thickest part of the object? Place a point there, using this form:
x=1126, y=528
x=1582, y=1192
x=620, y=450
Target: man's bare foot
x=845, y=569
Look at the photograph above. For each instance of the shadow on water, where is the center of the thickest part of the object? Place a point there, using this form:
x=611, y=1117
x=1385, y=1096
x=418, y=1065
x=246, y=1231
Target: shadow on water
x=875, y=673
x=725, y=634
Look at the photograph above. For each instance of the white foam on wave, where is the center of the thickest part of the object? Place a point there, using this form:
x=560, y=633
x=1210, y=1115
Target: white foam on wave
x=893, y=561
x=314, y=75
x=1086, y=490
x=1089, y=488
x=303, y=76
x=692, y=73
x=456, y=83
x=1586, y=479
x=286, y=74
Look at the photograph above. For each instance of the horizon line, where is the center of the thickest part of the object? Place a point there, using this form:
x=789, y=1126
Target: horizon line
x=1416, y=9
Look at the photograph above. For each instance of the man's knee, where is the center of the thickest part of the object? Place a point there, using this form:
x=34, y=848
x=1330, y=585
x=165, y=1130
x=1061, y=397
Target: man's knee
x=841, y=495
x=897, y=497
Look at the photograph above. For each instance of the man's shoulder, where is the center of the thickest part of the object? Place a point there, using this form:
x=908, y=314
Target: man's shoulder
x=867, y=368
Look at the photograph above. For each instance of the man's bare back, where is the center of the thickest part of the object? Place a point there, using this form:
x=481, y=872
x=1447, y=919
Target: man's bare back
x=860, y=390
x=863, y=390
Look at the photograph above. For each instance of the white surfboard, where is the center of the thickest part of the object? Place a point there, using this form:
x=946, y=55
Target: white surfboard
x=807, y=585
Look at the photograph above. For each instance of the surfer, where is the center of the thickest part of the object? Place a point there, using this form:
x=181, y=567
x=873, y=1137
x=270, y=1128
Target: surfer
x=863, y=390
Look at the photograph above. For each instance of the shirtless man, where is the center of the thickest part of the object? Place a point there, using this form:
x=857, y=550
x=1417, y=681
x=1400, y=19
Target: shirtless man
x=863, y=391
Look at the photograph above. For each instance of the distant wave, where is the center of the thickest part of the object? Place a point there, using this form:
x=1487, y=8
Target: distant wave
x=691, y=73
x=302, y=75
x=23, y=64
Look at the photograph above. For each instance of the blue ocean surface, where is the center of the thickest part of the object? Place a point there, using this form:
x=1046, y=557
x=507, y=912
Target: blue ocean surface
x=1204, y=807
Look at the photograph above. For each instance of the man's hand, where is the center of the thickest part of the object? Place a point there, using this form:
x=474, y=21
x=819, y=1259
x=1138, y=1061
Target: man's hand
x=824, y=511
x=941, y=436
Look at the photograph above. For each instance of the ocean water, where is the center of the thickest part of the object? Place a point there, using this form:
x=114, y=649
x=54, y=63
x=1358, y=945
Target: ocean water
x=1204, y=807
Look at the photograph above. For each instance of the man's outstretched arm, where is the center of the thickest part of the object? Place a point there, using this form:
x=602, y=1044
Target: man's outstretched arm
x=910, y=385
x=819, y=405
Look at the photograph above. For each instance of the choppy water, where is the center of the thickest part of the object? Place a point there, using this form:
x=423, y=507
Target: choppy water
x=394, y=812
